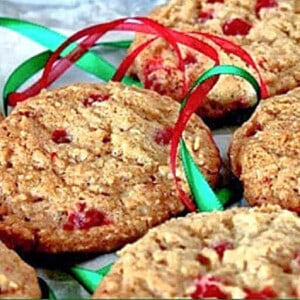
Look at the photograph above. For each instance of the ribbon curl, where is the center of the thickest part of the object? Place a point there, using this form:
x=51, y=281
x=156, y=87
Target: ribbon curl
x=72, y=51
x=205, y=199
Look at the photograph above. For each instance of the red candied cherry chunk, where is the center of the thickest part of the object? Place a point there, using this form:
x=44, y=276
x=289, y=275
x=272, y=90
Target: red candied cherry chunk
x=221, y=247
x=163, y=136
x=260, y=4
x=154, y=65
x=267, y=180
x=206, y=15
x=85, y=218
x=203, y=259
x=208, y=287
x=215, y=1
x=190, y=59
x=236, y=26
x=60, y=136
x=94, y=98
x=53, y=155
x=154, y=72
x=266, y=293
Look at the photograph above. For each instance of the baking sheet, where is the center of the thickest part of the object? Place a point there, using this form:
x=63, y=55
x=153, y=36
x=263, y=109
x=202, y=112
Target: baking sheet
x=14, y=49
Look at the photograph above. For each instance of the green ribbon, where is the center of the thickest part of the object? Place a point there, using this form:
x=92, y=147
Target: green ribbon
x=205, y=198
x=88, y=278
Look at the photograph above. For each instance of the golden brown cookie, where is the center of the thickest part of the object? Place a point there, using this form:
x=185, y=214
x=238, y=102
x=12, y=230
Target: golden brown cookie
x=268, y=29
x=265, y=152
x=236, y=254
x=17, y=279
x=86, y=168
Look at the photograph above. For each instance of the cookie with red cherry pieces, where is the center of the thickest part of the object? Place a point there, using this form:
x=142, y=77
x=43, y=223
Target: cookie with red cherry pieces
x=17, y=279
x=268, y=29
x=85, y=168
x=265, y=152
x=235, y=254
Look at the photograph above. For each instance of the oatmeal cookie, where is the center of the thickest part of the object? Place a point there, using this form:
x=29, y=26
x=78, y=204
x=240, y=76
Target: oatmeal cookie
x=268, y=29
x=235, y=254
x=86, y=168
x=17, y=279
x=265, y=152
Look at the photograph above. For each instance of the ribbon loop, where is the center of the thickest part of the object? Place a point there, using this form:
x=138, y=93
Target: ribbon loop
x=205, y=198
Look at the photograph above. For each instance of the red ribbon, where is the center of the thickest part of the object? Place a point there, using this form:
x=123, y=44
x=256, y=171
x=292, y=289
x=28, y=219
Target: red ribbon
x=129, y=58
x=93, y=33
x=56, y=66
x=195, y=100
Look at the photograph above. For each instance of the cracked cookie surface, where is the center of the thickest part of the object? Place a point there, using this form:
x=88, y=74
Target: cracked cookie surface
x=235, y=254
x=86, y=168
x=17, y=279
x=268, y=29
x=265, y=152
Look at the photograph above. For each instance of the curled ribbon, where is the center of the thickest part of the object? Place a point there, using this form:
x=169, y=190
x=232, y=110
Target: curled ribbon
x=205, y=199
x=72, y=51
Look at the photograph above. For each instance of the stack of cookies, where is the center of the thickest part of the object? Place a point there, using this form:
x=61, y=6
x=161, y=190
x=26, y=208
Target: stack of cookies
x=85, y=168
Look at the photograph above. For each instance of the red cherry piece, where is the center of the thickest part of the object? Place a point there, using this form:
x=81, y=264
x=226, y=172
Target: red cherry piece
x=236, y=26
x=27, y=114
x=60, y=136
x=208, y=287
x=260, y=4
x=163, y=136
x=203, y=259
x=152, y=78
x=266, y=293
x=206, y=15
x=267, y=180
x=221, y=247
x=85, y=218
x=53, y=155
x=214, y=1
x=153, y=65
x=190, y=59
x=94, y=98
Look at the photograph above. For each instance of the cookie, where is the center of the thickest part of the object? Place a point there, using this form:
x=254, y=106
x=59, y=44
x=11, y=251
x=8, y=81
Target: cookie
x=268, y=30
x=85, y=168
x=265, y=152
x=235, y=254
x=17, y=279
